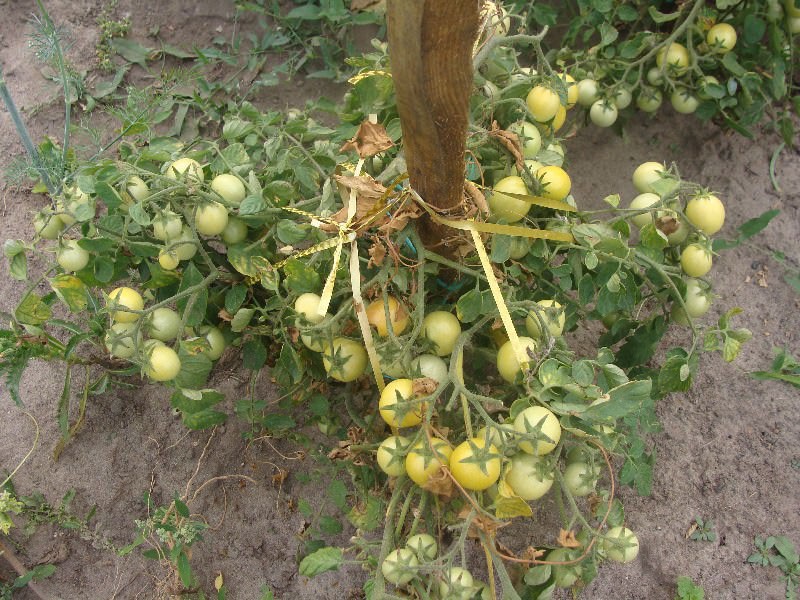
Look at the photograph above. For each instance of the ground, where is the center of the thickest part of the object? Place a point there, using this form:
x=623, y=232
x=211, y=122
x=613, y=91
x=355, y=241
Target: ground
x=727, y=452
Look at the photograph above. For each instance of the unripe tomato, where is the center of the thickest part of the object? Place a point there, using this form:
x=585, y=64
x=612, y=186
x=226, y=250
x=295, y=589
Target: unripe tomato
x=552, y=315
x=423, y=545
x=703, y=84
x=588, y=92
x=167, y=225
x=507, y=207
x=520, y=246
x=71, y=257
x=163, y=363
x=230, y=188
x=398, y=405
x=168, y=259
x=344, y=359
x=442, y=329
x=398, y=316
x=564, y=576
x=649, y=100
x=475, y=467
x=391, y=455
x=677, y=237
x=74, y=198
x=792, y=9
x=215, y=339
x=706, y=212
x=640, y=202
x=211, y=218
x=555, y=181
x=543, y=103
x=529, y=137
x=122, y=299
x=675, y=56
x=457, y=584
x=163, y=324
x=184, y=245
x=542, y=422
x=683, y=101
x=422, y=462
x=528, y=477
x=721, y=38
x=400, y=566
x=655, y=76
x=507, y=363
x=135, y=189
x=794, y=25
x=430, y=365
x=696, y=260
x=646, y=174
x=307, y=305
x=122, y=340
x=697, y=300
x=603, y=113
x=580, y=479
x=186, y=169
x=235, y=231
x=553, y=126
x=47, y=225
x=622, y=98
x=620, y=544
x=572, y=88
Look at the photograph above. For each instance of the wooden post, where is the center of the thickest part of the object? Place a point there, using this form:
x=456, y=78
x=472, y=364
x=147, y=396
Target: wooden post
x=430, y=46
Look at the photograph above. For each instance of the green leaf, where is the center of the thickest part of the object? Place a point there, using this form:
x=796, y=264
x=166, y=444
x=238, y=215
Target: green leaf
x=33, y=310
x=623, y=400
x=242, y=319
x=747, y=230
x=324, y=559
x=203, y=419
x=537, y=575
x=235, y=129
x=196, y=302
x=18, y=266
x=732, y=65
x=289, y=369
x=234, y=297
x=368, y=514
x=301, y=278
x=182, y=401
x=185, y=570
x=254, y=354
x=474, y=304
x=638, y=473
x=195, y=368
x=660, y=17
x=108, y=195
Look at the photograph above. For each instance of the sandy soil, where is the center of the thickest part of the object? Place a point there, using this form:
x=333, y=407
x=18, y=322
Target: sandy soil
x=725, y=453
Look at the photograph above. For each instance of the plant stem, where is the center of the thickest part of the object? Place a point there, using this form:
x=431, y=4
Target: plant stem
x=15, y=563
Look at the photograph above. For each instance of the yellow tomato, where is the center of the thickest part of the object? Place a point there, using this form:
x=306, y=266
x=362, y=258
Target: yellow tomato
x=555, y=181
x=398, y=316
x=123, y=299
x=474, y=466
x=423, y=461
x=398, y=406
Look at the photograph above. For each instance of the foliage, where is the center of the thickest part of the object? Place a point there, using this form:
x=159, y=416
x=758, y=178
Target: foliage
x=687, y=590
x=784, y=368
x=703, y=530
x=779, y=551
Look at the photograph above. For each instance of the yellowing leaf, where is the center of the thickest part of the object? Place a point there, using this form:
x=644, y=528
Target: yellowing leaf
x=71, y=291
x=510, y=507
x=218, y=582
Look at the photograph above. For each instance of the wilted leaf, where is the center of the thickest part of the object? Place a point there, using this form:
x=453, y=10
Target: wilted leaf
x=566, y=539
x=370, y=139
x=510, y=141
x=370, y=199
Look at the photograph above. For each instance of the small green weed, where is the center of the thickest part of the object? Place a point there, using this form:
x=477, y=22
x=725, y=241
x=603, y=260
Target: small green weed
x=779, y=551
x=784, y=368
x=702, y=530
x=687, y=590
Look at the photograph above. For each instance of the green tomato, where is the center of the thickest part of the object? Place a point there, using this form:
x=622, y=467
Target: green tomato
x=230, y=188
x=603, y=113
x=697, y=300
x=400, y=566
x=184, y=246
x=307, y=305
x=655, y=76
x=553, y=316
x=163, y=324
x=424, y=461
x=391, y=455
x=471, y=474
x=430, y=365
x=457, y=584
x=696, y=260
x=622, y=98
x=71, y=257
x=588, y=92
x=646, y=174
x=123, y=299
x=167, y=225
x=162, y=363
x=640, y=202
x=503, y=206
x=542, y=422
x=442, y=329
x=211, y=218
x=168, y=259
x=620, y=544
x=580, y=478
x=122, y=340
x=706, y=212
x=423, y=545
x=703, y=85
x=543, y=103
x=186, y=169
x=507, y=364
x=649, y=100
x=235, y=231
x=529, y=137
x=676, y=58
x=398, y=406
x=215, y=339
x=721, y=38
x=683, y=101
x=344, y=359
x=47, y=225
x=134, y=190
x=528, y=476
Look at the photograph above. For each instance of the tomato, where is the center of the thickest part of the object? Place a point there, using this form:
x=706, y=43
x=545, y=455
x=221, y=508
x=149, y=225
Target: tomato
x=430, y=365
x=162, y=363
x=215, y=339
x=622, y=98
x=564, y=575
x=400, y=566
x=424, y=546
x=230, y=188
x=391, y=455
x=498, y=436
x=696, y=260
x=588, y=92
x=168, y=259
x=794, y=24
x=552, y=315
x=543, y=103
x=506, y=207
x=474, y=466
x=703, y=84
x=721, y=38
x=529, y=137
x=71, y=257
x=122, y=299
x=620, y=544
x=186, y=169
x=697, y=300
x=307, y=305
x=580, y=478
x=135, y=189
x=649, y=100
x=398, y=405
x=640, y=202
x=317, y=339
x=163, y=324
x=572, y=88
x=122, y=340
x=603, y=113
x=655, y=76
x=457, y=584
x=542, y=423
x=507, y=364
x=706, y=212
x=184, y=245
x=520, y=246
x=235, y=231
x=344, y=359
x=529, y=477
x=423, y=462
x=211, y=218
x=398, y=316
x=646, y=174
x=167, y=225
x=74, y=199
x=792, y=9
x=442, y=329
x=680, y=232
x=555, y=182
x=675, y=56
x=47, y=225
x=556, y=123
x=683, y=101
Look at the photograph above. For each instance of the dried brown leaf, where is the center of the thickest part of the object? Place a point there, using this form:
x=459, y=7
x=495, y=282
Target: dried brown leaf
x=377, y=254
x=566, y=539
x=370, y=139
x=370, y=197
x=400, y=218
x=477, y=197
x=441, y=484
x=510, y=141
x=424, y=386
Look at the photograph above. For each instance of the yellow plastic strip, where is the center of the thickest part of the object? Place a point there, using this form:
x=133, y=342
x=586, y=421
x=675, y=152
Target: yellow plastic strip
x=361, y=313
x=556, y=236
x=537, y=200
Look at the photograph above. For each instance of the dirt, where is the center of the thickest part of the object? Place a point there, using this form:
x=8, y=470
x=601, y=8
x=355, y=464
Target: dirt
x=725, y=453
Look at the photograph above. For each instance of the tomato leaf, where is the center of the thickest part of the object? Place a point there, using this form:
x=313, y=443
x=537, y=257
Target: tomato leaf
x=324, y=559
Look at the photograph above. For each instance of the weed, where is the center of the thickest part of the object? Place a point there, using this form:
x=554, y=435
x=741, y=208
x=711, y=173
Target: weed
x=784, y=368
x=779, y=551
x=687, y=590
x=702, y=530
